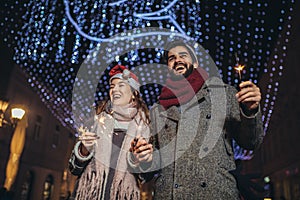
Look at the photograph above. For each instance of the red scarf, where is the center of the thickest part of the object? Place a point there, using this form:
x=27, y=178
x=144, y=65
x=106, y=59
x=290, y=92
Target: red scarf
x=177, y=92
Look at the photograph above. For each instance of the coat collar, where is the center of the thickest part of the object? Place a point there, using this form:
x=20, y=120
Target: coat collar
x=174, y=112
x=205, y=92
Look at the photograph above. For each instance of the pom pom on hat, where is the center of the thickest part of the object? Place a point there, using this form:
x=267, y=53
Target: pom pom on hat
x=122, y=72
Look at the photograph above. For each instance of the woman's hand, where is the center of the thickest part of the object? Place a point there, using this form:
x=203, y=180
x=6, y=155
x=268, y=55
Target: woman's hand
x=141, y=150
x=88, y=140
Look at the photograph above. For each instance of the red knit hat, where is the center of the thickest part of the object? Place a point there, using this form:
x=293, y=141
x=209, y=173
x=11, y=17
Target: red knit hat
x=122, y=72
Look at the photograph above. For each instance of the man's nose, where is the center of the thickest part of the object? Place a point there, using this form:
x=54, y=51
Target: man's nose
x=178, y=59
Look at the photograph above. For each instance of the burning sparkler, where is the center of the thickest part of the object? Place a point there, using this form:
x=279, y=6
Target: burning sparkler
x=239, y=68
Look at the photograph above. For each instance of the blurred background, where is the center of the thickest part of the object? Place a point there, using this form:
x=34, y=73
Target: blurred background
x=46, y=44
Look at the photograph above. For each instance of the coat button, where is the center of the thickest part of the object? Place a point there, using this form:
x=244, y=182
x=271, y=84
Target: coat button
x=203, y=184
x=166, y=126
x=208, y=116
x=176, y=185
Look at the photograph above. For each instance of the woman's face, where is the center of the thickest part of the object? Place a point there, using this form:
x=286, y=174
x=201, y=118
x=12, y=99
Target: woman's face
x=120, y=92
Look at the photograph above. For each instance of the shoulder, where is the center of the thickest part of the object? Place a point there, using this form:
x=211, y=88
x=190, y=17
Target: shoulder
x=102, y=106
x=216, y=82
x=156, y=108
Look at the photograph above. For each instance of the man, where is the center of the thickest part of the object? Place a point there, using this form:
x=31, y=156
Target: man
x=196, y=120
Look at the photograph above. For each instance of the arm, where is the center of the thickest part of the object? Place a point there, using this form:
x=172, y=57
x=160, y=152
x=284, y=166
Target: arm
x=143, y=155
x=140, y=159
x=82, y=153
x=80, y=157
x=247, y=128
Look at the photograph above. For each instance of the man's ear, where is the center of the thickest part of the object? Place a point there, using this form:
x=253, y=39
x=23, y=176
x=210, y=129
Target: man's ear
x=195, y=65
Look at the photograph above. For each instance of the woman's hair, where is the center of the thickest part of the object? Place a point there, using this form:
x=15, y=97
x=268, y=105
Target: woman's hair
x=137, y=99
x=141, y=107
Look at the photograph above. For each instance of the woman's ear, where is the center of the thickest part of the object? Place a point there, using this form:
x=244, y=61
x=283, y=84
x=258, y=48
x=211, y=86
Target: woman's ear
x=134, y=95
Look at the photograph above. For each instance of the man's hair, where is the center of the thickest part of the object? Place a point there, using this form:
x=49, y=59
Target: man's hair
x=176, y=43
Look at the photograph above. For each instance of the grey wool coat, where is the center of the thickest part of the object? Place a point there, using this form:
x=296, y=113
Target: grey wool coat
x=195, y=144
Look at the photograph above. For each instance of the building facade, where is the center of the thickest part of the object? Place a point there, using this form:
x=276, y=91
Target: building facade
x=42, y=170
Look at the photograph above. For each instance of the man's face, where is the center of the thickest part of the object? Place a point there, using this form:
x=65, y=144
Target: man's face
x=180, y=62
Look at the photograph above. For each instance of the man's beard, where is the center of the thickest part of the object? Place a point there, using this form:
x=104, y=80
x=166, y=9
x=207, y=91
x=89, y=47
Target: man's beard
x=177, y=77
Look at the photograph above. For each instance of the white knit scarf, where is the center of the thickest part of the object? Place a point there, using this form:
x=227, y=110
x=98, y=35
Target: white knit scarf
x=92, y=183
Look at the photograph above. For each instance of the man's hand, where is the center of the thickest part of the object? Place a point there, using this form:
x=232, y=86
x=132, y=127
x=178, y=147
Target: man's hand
x=141, y=150
x=249, y=95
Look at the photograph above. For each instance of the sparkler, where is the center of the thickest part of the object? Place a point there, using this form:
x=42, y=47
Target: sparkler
x=239, y=68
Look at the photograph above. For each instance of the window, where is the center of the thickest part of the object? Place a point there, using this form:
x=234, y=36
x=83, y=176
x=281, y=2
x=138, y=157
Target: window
x=48, y=187
x=37, y=128
x=55, y=139
x=26, y=186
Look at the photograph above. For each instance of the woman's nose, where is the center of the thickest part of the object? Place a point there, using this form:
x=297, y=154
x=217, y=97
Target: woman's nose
x=115, y=88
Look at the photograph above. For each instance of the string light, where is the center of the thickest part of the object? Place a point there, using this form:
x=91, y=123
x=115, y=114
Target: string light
x=52, y=38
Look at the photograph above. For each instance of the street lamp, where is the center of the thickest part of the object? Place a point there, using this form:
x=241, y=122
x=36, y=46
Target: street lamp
x=16, y=114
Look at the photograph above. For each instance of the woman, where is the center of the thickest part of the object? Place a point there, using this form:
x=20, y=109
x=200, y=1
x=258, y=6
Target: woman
x=100, y=159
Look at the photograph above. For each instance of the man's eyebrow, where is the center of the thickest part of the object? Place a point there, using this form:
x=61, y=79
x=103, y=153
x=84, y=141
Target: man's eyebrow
x=180, y=53
x=183, y=52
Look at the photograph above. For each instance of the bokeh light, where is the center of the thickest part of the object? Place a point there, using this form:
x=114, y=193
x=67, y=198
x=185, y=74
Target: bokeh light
x=52, y=38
